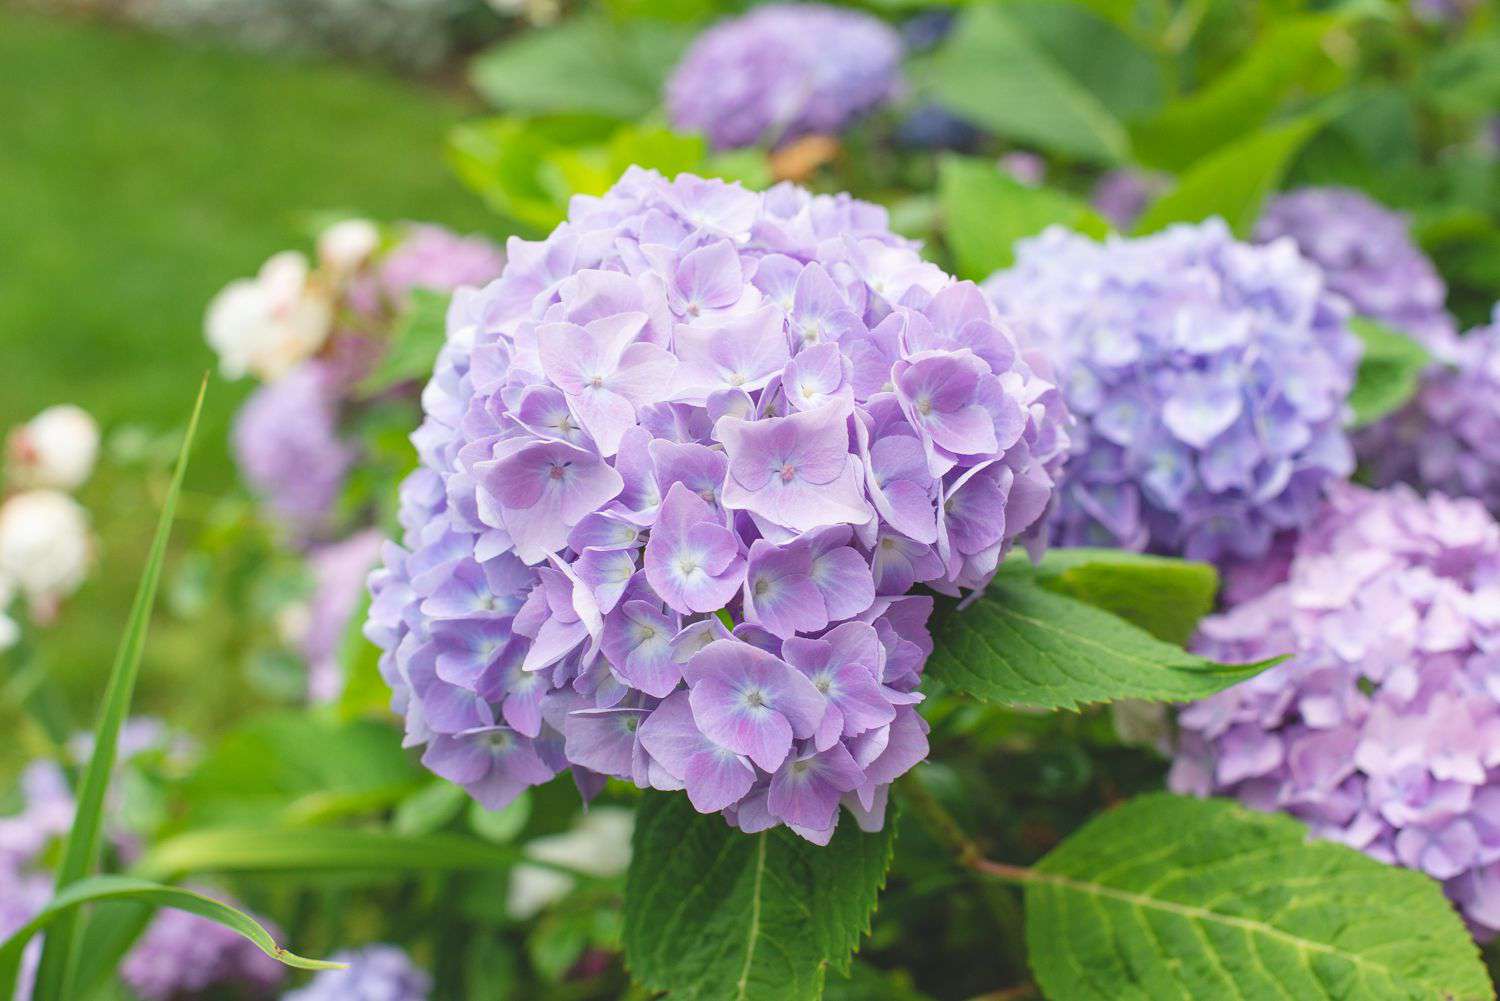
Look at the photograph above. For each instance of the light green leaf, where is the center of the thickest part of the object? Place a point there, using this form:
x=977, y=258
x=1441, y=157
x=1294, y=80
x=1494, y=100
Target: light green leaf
x=985, y=211
x=414, y=344
x=1289, y=55
x=712, y=914
x=1234, y=181
x=587, y=64
x=500, y=826
x=430, y=809
x=1166, y=597
x=999, y=77
x=1390, y=371
x=1094, y=50
x=1020, y=643
x=107, y=889
x=59, y=959
x=1169, y=897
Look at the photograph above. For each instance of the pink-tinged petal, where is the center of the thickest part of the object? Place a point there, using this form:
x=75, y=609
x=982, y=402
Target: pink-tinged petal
x=645, y=374
x=736, y=723
x=740, y=353
x=710, y=277
x=570, y=355
x=716, y=779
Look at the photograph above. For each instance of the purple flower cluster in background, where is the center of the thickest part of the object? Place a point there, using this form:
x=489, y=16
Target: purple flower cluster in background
x=437, y=259
x=783, y=71
x=1122, y=195
x=694, y=405
x=1367, y=255
x=182, y=955
x=339, y=571
x=1448, y=437
x=1209, y=378
x=1383, y=730
x=374, y=973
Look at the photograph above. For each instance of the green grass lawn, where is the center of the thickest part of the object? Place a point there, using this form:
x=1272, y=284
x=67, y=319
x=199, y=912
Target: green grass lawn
x=140, y=175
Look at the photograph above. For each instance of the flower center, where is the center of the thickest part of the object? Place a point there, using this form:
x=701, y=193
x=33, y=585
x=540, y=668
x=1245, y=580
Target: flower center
x=788, y=472
x=755, y=698
x=597, y=382
x=558, y=470
x=924, y=405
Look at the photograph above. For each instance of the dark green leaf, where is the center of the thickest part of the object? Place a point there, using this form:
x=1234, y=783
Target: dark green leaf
x=415, y=342
x=587, y=64
x=100, y=889
x=1166, y=597
x=712, y=914
x=1389, y=372
x=1167, y=897
x=1091, y=47
x=985, y=211
x=992, y=72
x=59, y=959
x=1020, y=643
x=1232, y=182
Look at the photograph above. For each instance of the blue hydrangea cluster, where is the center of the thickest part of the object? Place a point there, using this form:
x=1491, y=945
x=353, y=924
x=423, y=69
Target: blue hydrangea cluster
x=1448, y=437
x=374, y=973
x=1209, y=378
x=1367, y=255
x=783, y=71
x=681, y=466
x=1383, y=730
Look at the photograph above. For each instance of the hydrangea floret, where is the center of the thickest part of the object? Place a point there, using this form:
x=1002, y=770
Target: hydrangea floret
x=784, y=71
x=1209, y=378
x=1383, y=729
x=681, y=466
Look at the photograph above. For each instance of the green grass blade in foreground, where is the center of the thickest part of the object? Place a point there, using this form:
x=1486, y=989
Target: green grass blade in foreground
x=101, y=889
x=82, y=851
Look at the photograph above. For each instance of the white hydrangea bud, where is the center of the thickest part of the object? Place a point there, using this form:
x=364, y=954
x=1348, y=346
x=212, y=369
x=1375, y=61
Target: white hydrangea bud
x=56, y=448
x=267, y=324
x=45, y=547
x=346, y=245
x=599, y=845
x=10, y=632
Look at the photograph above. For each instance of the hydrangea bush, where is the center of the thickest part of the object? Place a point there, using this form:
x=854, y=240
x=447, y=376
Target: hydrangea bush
x=783, y=71
x=682, y=465
x=1383, y=730
x=1209, y=379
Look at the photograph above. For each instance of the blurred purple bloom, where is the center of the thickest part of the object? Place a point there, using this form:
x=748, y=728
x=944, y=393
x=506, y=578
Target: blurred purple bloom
x=374, y=973
x=182, y=955
x=783, y=71
x=1383, y=730
x=1209, y=378
x=339, y=571
x=431, y=257
x=1122, y=195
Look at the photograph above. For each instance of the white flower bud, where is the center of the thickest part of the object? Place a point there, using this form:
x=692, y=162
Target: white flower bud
x=346, y=245
x=599, y=845
x=56, y=448
x=267, y=324
x=45, y=547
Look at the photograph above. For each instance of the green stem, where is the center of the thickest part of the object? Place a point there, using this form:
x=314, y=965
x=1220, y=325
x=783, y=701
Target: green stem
x=943, y=827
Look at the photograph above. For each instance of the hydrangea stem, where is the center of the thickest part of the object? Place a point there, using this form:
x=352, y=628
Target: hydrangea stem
x=946, y=829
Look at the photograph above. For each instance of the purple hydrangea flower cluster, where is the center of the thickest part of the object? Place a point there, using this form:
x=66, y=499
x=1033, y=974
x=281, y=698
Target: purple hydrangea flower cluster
x=1367, y=255
x=784, y=71
x=1383, y=730
x=1209, y=378
x=374, y=973
x=434, y=258
x=1448, y=437
x=693, y=405
x=287, y=445
x=1122, y=195
x=182, y=955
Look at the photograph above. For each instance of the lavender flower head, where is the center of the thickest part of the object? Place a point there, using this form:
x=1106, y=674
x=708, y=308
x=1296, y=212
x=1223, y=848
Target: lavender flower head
x=1122, y=195
x=1383, y=730
x=1367, y=255
x=182, y=955
x=1209, y=378
x=784, y=71
x=431, y=257
x=339, y=571
x=22, y=896
x=286, y=443
x=693, y=399
x=1448, y=437
x=374, y=973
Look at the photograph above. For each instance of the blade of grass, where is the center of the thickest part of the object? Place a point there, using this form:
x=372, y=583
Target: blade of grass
x=54, y=976
x=100, y=889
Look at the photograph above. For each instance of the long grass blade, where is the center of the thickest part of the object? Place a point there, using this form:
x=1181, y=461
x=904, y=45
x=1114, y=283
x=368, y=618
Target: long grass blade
x=82, y=852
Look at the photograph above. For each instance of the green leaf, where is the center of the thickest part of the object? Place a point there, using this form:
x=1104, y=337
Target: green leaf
x=985, y=211
x=59, y=960
x=414, y=344
x=588, y=64
x=500, y=826
x=996, y=75
x=1166, y=597
x=715, y=914
x=103, y=889
x=1234, y=181
x=1289, y=55
x=1390, y=371
x=1020, y=643
x=1094, y=50
x=1168, y=897
x=431, y=809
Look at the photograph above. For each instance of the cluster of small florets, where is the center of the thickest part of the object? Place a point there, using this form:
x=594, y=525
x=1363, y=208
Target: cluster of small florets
x=1367, y=255
x=681, y=466
x=1209, y=378
x=1448, y=437
x=784, y=71
x=1383, y=730
x=374, y=973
